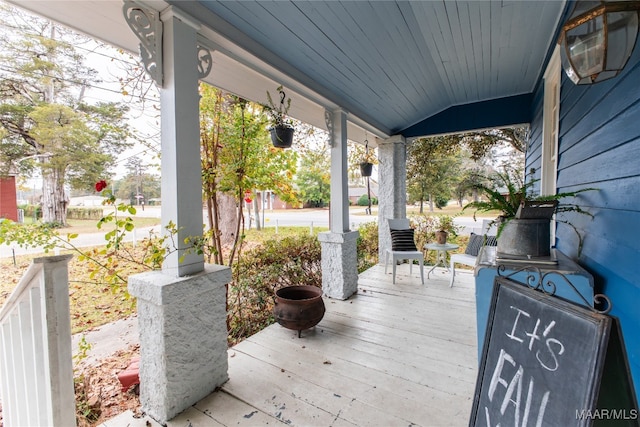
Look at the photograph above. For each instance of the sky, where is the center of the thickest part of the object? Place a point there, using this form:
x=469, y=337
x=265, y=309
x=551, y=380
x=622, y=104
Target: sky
x=144, y=120
x=108, y=61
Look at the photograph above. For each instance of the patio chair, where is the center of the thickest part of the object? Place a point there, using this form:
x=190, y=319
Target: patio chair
x=403, y=247
x=476, y=242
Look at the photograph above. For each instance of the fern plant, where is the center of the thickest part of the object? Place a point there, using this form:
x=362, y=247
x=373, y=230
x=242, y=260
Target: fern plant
x=517, y=194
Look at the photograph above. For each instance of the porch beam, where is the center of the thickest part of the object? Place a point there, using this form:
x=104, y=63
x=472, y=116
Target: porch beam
x=392, y=190
x=494, y=113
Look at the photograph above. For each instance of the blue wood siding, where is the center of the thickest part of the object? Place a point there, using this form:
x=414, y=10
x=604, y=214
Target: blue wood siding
x=600, y=147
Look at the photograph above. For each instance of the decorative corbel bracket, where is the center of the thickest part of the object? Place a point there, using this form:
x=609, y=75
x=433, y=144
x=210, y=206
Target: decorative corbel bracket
x=205, y=61
x=147, y=26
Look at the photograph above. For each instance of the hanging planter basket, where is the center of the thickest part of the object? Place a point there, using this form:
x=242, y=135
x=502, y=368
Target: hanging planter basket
x=366, y=169
x=282, y=136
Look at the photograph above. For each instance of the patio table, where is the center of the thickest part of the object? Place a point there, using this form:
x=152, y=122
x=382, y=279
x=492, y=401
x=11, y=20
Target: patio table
x=441, y=254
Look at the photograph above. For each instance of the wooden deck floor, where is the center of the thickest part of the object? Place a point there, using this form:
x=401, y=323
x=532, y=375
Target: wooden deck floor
x=393, y=355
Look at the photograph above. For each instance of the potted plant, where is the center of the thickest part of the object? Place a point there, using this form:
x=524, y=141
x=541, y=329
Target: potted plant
x=281, y=125
x=444, y=226
x=525, y=220
x=367, y=161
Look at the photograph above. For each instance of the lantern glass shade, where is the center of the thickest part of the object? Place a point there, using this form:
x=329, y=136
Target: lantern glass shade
x=597, y=42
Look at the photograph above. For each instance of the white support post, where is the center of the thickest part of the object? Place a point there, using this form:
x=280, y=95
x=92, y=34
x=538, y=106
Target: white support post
x=392, y=190
x=181, y=175
x=339, y=209
x=339, y=251
x=181, y=309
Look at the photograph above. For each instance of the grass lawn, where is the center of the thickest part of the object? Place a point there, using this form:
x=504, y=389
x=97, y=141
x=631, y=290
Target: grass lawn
x=94, y=303
x=81, y=226
x=447, y=210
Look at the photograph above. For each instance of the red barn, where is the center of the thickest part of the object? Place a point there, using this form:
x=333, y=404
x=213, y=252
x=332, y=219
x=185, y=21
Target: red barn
x=8, y=202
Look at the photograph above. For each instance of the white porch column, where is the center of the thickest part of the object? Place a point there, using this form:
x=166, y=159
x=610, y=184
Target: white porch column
x=392, y=190
x=180, y=127
x=339, y=251
x=181, y=309
x=339, y=213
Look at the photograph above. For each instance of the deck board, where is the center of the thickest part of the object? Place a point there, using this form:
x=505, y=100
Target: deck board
x=392, y=355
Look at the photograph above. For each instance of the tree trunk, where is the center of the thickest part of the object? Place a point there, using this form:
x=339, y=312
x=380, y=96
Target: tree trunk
x=228, y=218
x=54, y=198
x=237, y=243
x=256, y=209
x=430, y=203
x=212, y=211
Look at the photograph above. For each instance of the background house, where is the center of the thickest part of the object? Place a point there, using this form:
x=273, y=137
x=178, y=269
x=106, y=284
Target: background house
x=356, y=192
x=8, y=201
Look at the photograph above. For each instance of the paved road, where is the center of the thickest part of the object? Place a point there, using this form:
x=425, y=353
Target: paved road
x=300, y=218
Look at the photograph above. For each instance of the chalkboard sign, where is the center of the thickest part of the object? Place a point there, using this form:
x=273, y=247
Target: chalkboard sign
x=542, y=361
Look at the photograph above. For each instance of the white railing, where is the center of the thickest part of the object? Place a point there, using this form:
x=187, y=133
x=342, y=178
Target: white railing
x=36, y=368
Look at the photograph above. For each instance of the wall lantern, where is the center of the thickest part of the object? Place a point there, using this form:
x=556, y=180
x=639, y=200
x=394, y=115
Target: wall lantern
x=598, y=39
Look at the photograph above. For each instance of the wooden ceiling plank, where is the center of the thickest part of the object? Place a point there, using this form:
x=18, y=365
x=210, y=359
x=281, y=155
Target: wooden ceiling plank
x=435, y=40
x=435, y=91
x=485, y=48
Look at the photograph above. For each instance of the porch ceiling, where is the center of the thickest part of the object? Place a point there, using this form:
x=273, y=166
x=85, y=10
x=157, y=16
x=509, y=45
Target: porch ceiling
x=408, y=67
x=397, y=63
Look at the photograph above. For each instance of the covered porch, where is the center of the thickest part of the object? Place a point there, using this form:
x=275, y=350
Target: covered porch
x=390, y=87
x=402, y=354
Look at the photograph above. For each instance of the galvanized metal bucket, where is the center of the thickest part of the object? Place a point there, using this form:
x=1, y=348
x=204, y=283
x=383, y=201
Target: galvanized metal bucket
x=525, y=238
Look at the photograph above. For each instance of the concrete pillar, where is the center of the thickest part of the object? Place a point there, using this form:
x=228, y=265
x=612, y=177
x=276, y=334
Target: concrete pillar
x=339, y=264
x=392, y=190
x=180, y=127
x=339, y=251
x=183, y=338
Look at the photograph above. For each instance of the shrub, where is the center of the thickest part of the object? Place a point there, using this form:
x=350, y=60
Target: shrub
x=84, y=213
x=32, y=211
x=261, y=271
x=367, y=246
x=441, y=201
x=363, y=200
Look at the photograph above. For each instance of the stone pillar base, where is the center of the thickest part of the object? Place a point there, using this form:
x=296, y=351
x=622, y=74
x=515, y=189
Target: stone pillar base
x=339, y=264
x=183, y=338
